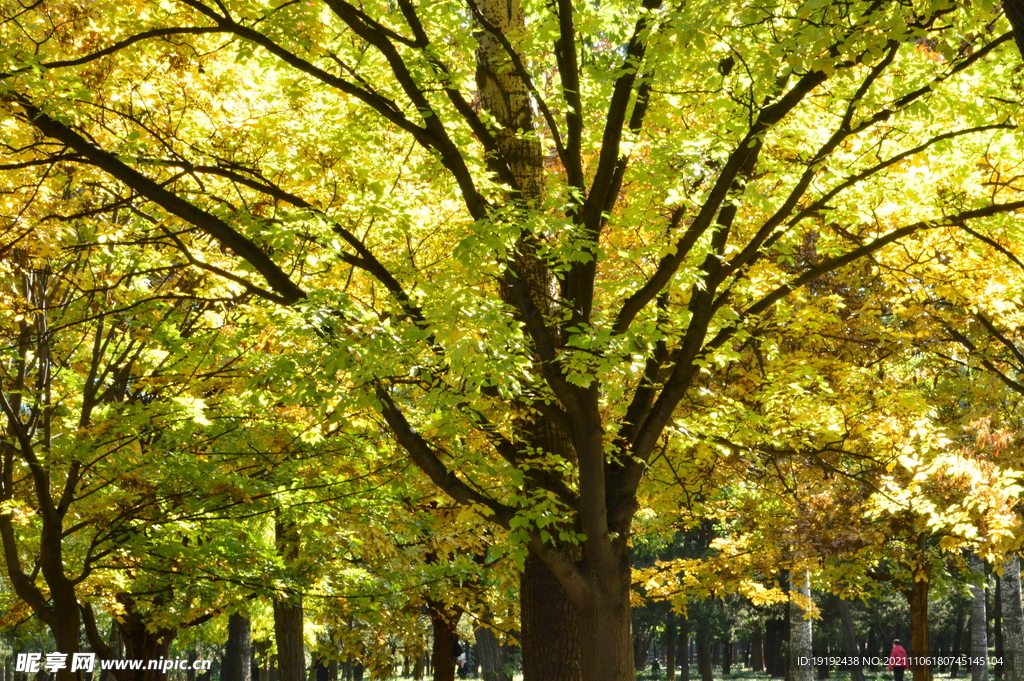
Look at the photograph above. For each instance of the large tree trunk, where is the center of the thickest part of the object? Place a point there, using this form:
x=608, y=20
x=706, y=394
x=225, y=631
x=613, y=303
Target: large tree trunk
x=1013, y=621
x=979, y=621
x=800, y=631
x=443, y=623
x=599, y=586
x=291, y=655
x=727, y=656
x=66, y=625
x=550, y=626
x=606, y=625
x=238, y=651
x=141, y=641
x=850, y=647
x=551, y=630
x=493, y=656
x=920, y=645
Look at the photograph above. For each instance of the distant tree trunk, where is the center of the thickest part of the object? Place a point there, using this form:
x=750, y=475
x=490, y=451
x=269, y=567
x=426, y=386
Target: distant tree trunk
x=684, y=650
x=641, y=648
x=444, y=621
x=291, y=656
x=757, y=648
x=704, y=662
x=670, y=646
x=238, y=652
x=850, y=647
x=1013, y=621
x=920, y=645
x=492, y=655
x=958, y=640
x=800, y=631
x=727, y=655
x=979, y=621
x=322, y=672
x=775, y=636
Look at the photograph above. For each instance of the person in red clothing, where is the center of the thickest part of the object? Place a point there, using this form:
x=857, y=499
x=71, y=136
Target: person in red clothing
x=898, y=661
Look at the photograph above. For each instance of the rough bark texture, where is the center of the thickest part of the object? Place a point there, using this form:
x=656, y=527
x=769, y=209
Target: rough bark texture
x=238, y=651
x=492, y=655
x=443, y=623
x=1013, y=621
x=920, y=643
x=291, y=656
x=142, y=642
x=800, y=631
x=850, y=646
x=550, y=626
x=551, y=630
x=979, y=620
x=606, y=625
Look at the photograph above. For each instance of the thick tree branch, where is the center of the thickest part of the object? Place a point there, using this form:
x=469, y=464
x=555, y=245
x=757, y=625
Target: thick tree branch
x=243, y=247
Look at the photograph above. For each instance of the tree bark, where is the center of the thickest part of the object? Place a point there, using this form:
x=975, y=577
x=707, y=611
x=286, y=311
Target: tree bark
x=704, y=663
x=606, y=625
x=757, y=648
x=238, y=652
x=800, y=631
x=670, y=646
x=141, y=641
x=291, y=655
x=684, y=650
x=850, y=647
x=493, y=656
x=443, y=622
x=979, y=621
x=920, y=645
x=549, y=626
x=1013, y=621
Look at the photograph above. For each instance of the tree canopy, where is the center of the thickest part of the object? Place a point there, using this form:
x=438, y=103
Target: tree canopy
x=529, y=276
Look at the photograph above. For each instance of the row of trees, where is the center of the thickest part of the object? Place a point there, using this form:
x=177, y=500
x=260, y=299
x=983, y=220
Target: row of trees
x=376, y=314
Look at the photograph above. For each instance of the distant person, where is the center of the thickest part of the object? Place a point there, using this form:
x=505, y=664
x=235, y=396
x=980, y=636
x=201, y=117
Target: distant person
x=898, y=661
x=655, y=666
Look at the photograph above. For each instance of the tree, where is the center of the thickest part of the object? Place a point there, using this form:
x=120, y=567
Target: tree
x=701, y=167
